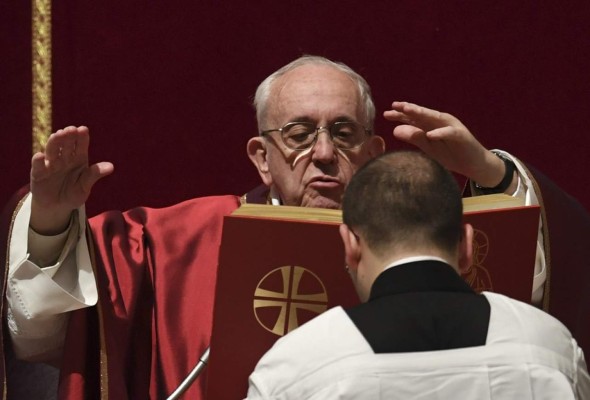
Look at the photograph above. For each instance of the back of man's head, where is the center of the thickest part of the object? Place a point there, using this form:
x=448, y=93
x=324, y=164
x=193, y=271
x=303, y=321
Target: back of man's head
x=404, y=201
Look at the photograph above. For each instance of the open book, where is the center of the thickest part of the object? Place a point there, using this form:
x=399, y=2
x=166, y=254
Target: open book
x=281, y=266
x=470, y=204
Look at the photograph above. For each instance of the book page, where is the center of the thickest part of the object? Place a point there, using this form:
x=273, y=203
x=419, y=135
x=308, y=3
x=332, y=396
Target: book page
x=470, y=204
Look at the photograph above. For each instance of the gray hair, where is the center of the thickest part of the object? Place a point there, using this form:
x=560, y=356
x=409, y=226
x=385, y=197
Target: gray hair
x=263, y=92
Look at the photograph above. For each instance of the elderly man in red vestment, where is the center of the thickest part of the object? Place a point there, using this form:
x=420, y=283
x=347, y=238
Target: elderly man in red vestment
x=123, y=304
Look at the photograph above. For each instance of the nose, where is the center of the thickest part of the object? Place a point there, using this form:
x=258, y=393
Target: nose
x=323, y=149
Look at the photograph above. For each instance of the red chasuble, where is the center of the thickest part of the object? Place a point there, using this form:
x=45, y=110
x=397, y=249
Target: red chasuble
x=156, y=271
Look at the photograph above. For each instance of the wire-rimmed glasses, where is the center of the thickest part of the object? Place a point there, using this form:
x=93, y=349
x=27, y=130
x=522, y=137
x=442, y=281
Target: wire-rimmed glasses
x=300, y=136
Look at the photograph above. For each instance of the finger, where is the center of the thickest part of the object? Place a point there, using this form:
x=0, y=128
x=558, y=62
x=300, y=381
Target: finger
x=67, y=151
x=82, y=141
x=415, y=109
x=421, y=114
x=53, y=146
x=410, y=134
x=397, y=116
x=426, y=118
x=411, y=114
x=75, y=151
x=75, y=145
x=96, y=171
x=449, y=133
x=104, y=168
x=37, y=164
x=399, y=105
x=63, y=146
x=57, y=141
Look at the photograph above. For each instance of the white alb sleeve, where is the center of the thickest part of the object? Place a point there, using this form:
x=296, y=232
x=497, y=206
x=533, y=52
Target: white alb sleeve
x=39, y=296
x=525, y=189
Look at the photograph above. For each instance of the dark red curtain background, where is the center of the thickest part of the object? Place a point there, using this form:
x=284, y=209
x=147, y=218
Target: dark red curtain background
x=165, y=87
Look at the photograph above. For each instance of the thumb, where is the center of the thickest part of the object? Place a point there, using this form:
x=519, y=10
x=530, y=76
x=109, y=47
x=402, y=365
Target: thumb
x=96, y=172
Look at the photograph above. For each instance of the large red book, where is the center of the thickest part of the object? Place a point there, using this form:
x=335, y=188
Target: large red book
x=281, y=266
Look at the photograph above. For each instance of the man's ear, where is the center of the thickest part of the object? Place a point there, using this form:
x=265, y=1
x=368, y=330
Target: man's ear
x=352, y=253
x=376, y=146
x=466, y=249
x=256, y=149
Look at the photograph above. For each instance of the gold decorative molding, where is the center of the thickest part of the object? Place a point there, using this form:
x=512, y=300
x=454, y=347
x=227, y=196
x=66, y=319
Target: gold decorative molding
x=41, y=83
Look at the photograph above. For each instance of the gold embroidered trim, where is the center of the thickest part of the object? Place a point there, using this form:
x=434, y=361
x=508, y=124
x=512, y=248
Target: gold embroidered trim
x=104, y=371
x=546, y=247
x=41, y=84
x=13, y=218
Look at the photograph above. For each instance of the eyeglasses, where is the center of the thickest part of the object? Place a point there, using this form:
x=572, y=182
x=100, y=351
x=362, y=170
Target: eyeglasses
x=303, y=135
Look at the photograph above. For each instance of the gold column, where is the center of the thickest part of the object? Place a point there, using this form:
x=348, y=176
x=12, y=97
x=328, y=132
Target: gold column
x=41, y=84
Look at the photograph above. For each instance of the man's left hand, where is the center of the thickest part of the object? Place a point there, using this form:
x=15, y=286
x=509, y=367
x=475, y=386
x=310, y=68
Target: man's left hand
x=444, y=138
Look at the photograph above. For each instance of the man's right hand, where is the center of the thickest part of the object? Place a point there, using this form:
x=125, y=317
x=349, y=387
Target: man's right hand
x=61, y=179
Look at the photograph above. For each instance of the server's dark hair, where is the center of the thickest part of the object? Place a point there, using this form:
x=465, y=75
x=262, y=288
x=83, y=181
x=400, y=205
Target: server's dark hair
x=403, y=197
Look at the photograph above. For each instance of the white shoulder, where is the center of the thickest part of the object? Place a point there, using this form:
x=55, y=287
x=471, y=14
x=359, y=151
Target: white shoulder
x=308, y=350
x=517, y=322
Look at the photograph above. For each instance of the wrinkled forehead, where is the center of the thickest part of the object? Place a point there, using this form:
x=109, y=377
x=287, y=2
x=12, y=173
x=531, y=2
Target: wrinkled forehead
x=318, y=93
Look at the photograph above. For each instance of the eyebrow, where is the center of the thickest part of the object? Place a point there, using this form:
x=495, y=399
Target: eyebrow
x=340, y=118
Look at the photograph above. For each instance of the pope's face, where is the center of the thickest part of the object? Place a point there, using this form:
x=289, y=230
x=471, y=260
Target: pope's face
x=318, y=176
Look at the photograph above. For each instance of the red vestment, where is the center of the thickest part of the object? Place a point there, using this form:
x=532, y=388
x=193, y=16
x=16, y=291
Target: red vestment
x=156, y=271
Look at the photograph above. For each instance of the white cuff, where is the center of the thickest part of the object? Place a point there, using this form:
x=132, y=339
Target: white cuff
x=35, y=292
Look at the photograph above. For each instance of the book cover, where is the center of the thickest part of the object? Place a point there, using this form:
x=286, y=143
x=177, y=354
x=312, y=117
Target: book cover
x=277, y=272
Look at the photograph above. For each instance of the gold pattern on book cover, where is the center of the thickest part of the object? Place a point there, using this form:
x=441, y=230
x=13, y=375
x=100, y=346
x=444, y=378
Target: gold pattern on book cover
x=287, y=299
x=478, y=276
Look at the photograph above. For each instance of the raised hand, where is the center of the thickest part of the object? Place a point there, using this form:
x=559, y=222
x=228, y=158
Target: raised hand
x=61, y=179
x=444, y=138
